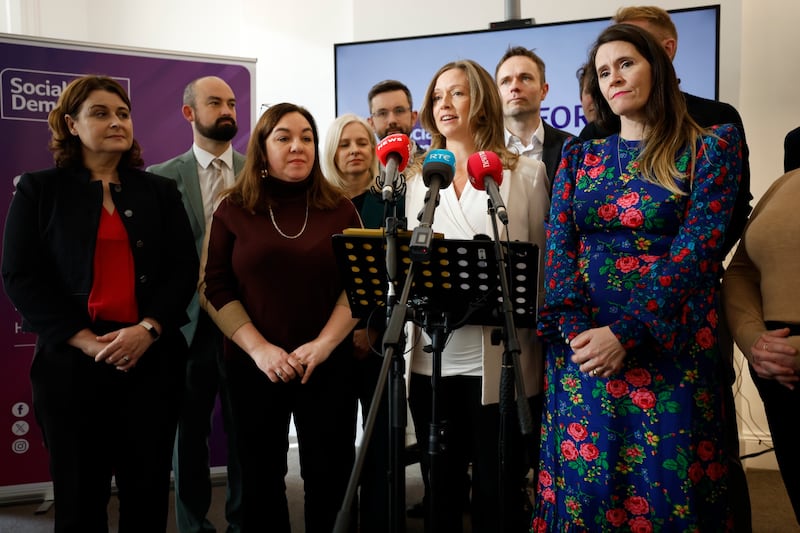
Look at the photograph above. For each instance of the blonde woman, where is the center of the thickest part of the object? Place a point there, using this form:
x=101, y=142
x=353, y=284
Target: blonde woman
x=463, y=112
x=350, y=162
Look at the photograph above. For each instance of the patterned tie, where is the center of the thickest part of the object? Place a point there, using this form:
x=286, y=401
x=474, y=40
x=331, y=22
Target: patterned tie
x=217, y=183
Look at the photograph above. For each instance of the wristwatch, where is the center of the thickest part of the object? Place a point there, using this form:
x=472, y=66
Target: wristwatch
x=151, y=329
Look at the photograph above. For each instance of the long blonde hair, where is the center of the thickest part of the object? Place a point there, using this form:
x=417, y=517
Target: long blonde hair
x=485, y=112
x=332, y=171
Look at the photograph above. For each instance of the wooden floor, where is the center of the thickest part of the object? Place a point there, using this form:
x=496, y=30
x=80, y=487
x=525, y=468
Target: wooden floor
x=28, y=518
x=772, y=512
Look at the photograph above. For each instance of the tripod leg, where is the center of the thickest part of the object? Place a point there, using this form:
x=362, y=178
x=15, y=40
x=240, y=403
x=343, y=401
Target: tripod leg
x=436, y=434
x=397, y=410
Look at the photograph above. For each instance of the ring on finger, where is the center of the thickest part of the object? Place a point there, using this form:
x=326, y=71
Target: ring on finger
x=593, y=372
x=766, y=347
x=279, y=374
x=126, y=359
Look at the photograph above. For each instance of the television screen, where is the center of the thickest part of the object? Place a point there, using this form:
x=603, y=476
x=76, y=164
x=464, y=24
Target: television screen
x=563, y=47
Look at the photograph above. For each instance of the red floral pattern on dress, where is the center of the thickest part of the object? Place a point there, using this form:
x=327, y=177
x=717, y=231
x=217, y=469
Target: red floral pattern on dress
x=640, y=451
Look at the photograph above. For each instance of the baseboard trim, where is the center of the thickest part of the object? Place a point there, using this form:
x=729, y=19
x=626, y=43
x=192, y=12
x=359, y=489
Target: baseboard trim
x=754, y=444
x=26, y=493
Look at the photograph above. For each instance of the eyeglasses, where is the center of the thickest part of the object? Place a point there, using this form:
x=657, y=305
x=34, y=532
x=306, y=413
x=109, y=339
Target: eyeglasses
x=397, y=111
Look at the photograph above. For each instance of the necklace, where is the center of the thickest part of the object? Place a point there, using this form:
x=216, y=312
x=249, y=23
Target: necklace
x=272, y=218
x=626, y=155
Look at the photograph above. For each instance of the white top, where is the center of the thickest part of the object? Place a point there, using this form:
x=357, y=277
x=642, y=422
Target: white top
x=533, y=149
x=458, y=218
x=469, y=351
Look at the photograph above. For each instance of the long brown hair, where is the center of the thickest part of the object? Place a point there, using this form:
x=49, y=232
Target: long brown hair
x=669, y=130
x=485, y=112
x=67, y=148
x=249, y=191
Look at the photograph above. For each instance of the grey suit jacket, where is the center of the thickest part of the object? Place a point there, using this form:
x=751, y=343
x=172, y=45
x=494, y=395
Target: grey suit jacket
x=183, y=169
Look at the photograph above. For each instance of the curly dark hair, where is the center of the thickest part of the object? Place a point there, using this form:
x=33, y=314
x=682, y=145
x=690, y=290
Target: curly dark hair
x=67, y=148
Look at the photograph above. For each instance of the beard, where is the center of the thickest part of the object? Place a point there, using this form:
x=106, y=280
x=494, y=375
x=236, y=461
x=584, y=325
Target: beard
x=395, y=128
x=224, y=129
x=390, y=131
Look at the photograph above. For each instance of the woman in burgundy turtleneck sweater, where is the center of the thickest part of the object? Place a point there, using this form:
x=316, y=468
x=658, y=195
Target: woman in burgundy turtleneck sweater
x=271, y=287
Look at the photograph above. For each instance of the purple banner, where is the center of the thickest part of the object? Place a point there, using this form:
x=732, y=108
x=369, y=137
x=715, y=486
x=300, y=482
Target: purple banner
x=32, y=76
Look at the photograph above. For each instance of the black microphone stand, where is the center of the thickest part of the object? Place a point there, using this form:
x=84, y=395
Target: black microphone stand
x=399, y=312
x=392, y=359
x=510, y=375
x=437, y=326
x=393, y=355
x=438, y=305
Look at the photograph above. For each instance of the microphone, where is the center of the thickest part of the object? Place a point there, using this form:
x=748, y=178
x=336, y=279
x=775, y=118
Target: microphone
x=393, y=154
x=485, y=172
x=437, y=173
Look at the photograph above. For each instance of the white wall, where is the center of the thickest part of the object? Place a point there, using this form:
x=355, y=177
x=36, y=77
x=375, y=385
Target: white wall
x=293, y=42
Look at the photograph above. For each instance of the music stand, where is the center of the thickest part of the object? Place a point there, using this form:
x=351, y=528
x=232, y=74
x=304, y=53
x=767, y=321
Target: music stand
x=459, y=284
x=460, y=275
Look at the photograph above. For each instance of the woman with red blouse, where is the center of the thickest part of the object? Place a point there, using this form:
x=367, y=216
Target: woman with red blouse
x=99, y=260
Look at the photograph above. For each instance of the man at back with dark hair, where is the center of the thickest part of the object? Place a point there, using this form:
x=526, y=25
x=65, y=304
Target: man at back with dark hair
x=391, y=111
x=520, y=78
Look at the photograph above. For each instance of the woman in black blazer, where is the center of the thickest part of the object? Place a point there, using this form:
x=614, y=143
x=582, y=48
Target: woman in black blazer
x=99, y=259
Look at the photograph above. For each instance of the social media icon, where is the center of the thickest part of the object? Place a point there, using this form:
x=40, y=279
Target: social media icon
x=20, y=409
x=20, y=428
x=20, y=446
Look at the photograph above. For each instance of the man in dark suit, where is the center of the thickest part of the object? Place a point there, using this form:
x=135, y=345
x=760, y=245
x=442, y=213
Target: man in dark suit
x=791, y=150
x=706, y=113
x=209, y=167
x=520, y=78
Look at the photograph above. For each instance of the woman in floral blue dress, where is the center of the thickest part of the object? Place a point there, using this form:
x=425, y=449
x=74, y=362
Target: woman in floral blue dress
x=633, y=422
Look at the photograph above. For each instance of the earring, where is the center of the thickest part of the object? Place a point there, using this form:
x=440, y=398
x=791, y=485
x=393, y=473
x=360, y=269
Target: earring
x=264, y=173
